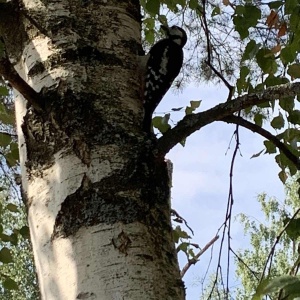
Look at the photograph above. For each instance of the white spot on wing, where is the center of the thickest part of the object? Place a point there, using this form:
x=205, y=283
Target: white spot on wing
x=164, y=62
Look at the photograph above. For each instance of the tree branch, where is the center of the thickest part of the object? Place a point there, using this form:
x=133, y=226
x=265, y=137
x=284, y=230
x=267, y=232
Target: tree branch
x=191, y=123
x=195, y=259
x=255, y=128
x=11, y=75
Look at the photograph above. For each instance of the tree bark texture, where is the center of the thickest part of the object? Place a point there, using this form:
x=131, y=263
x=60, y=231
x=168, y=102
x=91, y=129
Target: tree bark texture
x=97, y=190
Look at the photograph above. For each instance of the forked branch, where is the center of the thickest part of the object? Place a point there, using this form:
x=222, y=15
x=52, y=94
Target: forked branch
x=255, y=128
x=11, y=75
x=191, y=123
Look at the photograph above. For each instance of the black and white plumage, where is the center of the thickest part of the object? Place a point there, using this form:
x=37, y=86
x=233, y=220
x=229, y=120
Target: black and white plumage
x=163, y=66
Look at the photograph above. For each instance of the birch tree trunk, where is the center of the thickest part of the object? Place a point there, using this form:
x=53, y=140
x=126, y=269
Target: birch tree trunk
x=96, y=188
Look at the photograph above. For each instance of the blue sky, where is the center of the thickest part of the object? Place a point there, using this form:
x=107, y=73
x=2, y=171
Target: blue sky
x=201, y=178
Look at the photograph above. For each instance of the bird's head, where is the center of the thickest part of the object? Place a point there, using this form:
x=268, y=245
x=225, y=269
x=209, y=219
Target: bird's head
x=176, y=34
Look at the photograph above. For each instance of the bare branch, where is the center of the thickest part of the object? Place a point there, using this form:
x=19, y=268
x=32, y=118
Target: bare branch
x=228, y=85
x=195, y=259
x=11, y=75
x=181, y=219
x=191, y=123
x=255, y=128
x=227, y=223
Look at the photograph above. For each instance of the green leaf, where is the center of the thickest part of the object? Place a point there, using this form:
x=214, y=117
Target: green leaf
x=161, y=123
x=149, y=36
x=183, y=247
x=266, y=61
x=278, y=122
x=241, y=83
x=258, y=119
x=193, y=4
x=244, y=71
x=280, y=282
x=4, y=237
x=178, y=233
x=270, y=147
x=257, y=154
x=282, y=176
x=216, y=11
x=245, y=17
x=240, y=9
x=287, y=103
x=252, y=14
x=10, y=284
x=284, y=162
x=287, y=55
x=294, y=116
x=182, y=142
x=4, y=91
x=5, y=140
x=293, y=229
x=290, y=134
x=163, y=19
x=182, y=3
x=294, y=21
x=272, y=80
x=293, y=290
x=241, y=26
x=195, y=104
x=12, y=207
x=250, y=50
x=290, y=5
x=13, y=238
x=24, y=231
x=152, y=7
x=294, y=70
x=12, y=157
x=181, y=233
x=6, y=116
x=275, y=4
x=5, y=255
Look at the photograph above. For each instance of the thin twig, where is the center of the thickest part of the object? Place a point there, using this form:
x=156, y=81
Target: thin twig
x=174, y=212
x=195, y=259
x=208, y=49
x=255, y=128
x=242, y=261
x=227, y=222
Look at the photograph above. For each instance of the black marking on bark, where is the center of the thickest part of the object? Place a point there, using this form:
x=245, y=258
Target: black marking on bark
x=36, y=69
x=122, y=242
x=87, y=295
x=88, y=54
x=71, y=122
x=83, y=54
x=101, y=203
x=126, y=197
x=146, y=256
x=133, y=46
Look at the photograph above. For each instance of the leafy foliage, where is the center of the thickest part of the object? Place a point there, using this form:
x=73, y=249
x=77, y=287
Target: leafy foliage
x=17, y=276
x=280, y=281
x=248, y=44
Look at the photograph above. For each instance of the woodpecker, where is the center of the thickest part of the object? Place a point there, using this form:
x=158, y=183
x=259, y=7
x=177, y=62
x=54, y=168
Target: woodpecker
x=163, y=65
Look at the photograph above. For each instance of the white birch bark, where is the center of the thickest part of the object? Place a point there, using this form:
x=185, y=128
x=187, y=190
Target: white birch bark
x=100, y=258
